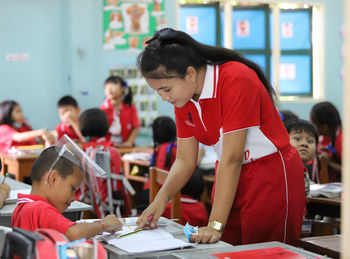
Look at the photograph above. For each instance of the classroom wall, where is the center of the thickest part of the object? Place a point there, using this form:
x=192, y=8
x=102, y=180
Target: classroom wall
x=63, y=39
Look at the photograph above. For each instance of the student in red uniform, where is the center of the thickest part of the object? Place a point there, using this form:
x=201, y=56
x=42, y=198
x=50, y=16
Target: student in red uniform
x=165, y=147
x=15, y=131
x=326, y=118
x=121, y=113
x=192, y=210
x=68, y=111
x=94, y=127
x=304, y=137
x=223, y=99
x=53, y=190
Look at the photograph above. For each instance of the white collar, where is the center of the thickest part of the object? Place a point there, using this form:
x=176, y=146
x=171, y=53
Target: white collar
x=210, y=82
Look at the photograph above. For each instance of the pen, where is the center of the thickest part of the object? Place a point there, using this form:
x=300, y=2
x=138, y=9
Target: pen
x=133, y=232
x=3, y=179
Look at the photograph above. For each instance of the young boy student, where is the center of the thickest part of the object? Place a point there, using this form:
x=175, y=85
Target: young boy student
x=56, y=175
x=304, y=137
x=68, y=111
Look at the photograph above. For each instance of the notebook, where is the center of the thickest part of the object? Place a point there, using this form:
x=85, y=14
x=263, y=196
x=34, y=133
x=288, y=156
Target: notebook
x=268, y=253
x=145, y=241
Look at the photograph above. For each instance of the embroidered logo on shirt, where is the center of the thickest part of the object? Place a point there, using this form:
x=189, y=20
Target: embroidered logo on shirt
x=190, y=120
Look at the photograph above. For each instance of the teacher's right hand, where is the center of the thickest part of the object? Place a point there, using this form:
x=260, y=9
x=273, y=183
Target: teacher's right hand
x=152, y=213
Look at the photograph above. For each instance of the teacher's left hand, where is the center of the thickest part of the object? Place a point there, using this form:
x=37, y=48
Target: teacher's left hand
x=206, y=235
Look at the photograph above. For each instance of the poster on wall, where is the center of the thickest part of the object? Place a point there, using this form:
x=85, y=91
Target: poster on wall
x=128, y=24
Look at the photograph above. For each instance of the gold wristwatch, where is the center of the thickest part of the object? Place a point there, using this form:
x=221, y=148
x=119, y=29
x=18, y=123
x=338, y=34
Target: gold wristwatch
x=216, y=225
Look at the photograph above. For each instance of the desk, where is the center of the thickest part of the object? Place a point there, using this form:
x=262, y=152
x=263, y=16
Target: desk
x=125, y=150
x=324, y=245
x=199, y=250
x=215, y=250
x=19, y=165
x=73, y=212
x=176, y=230
x=329, y=211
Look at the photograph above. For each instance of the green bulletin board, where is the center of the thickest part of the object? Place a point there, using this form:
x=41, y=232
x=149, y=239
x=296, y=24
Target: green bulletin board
x=128, y=24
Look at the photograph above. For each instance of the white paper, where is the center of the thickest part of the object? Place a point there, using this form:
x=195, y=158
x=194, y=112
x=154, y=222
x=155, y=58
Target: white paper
x=329, y=190
x=13, y=195
x=145, y=241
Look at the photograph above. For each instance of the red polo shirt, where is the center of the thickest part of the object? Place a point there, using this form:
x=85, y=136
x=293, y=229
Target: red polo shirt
x=6, y=137
x=233, y=98
x=128, y=118
x=33, y=212
x=64, y=128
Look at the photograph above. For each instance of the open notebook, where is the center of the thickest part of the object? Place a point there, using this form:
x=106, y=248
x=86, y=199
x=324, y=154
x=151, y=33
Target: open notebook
x=144, y=241
x=13, y=195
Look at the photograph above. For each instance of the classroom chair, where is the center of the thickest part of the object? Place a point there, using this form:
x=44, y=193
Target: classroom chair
x=157, y=178
x=324, y=176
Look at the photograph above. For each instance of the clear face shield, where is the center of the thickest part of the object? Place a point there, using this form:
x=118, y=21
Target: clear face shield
x=68, y=149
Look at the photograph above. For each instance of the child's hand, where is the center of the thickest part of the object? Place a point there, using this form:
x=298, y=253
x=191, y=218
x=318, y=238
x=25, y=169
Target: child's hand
x=111, y=223
x=4, y=193
x=48, y=137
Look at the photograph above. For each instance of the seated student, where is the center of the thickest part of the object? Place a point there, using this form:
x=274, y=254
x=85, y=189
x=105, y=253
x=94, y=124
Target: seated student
x=15, y=131
x=94, y=126
x=56, y=177
x=164, y=139
x=304, y=137
x=326, y=118
x=287, y=115
x=192, y=210
x=121, y=113
x=68, y=111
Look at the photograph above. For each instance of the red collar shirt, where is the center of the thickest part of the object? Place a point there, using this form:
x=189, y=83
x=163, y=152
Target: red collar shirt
x=127, y=115
x=64, y=128
x=6, y=137
x=33, y=212
x=232, y=99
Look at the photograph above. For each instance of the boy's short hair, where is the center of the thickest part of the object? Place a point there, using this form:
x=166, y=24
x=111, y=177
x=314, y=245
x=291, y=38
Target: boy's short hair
x=64, y=165
x=300, y=125
x=93, y=123
x=287, y=115
x=67, y=100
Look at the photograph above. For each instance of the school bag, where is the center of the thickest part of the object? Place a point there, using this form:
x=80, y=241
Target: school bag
x=109, y=193
x=49, y=243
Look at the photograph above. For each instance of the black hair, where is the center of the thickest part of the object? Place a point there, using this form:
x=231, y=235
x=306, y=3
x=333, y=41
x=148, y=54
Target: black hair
x=93, y=123
x=127, y=98
x=164, y=130
x=287, y=115
x=67, y=100
x=326, y=113
x=300, y=125
x=194, y=187
x=6, y=108
x=169, y=53
x=64, y=165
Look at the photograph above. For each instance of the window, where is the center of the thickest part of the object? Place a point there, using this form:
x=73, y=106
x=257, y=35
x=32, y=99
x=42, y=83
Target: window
x=253, y=36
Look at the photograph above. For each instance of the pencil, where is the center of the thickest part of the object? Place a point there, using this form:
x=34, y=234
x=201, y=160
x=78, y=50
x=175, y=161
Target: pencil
x=133, y=232
x=3, y=179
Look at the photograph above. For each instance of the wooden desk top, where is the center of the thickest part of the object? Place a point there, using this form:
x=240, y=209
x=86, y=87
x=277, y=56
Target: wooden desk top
x=324, y=245
x=125, y=150
x=20, y=156
x=324, y=200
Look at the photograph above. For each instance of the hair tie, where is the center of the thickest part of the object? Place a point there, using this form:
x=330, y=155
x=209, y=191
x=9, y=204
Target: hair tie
x=165, y=34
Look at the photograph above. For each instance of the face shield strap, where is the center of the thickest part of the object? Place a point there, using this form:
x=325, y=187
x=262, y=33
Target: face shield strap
x=60, y=154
